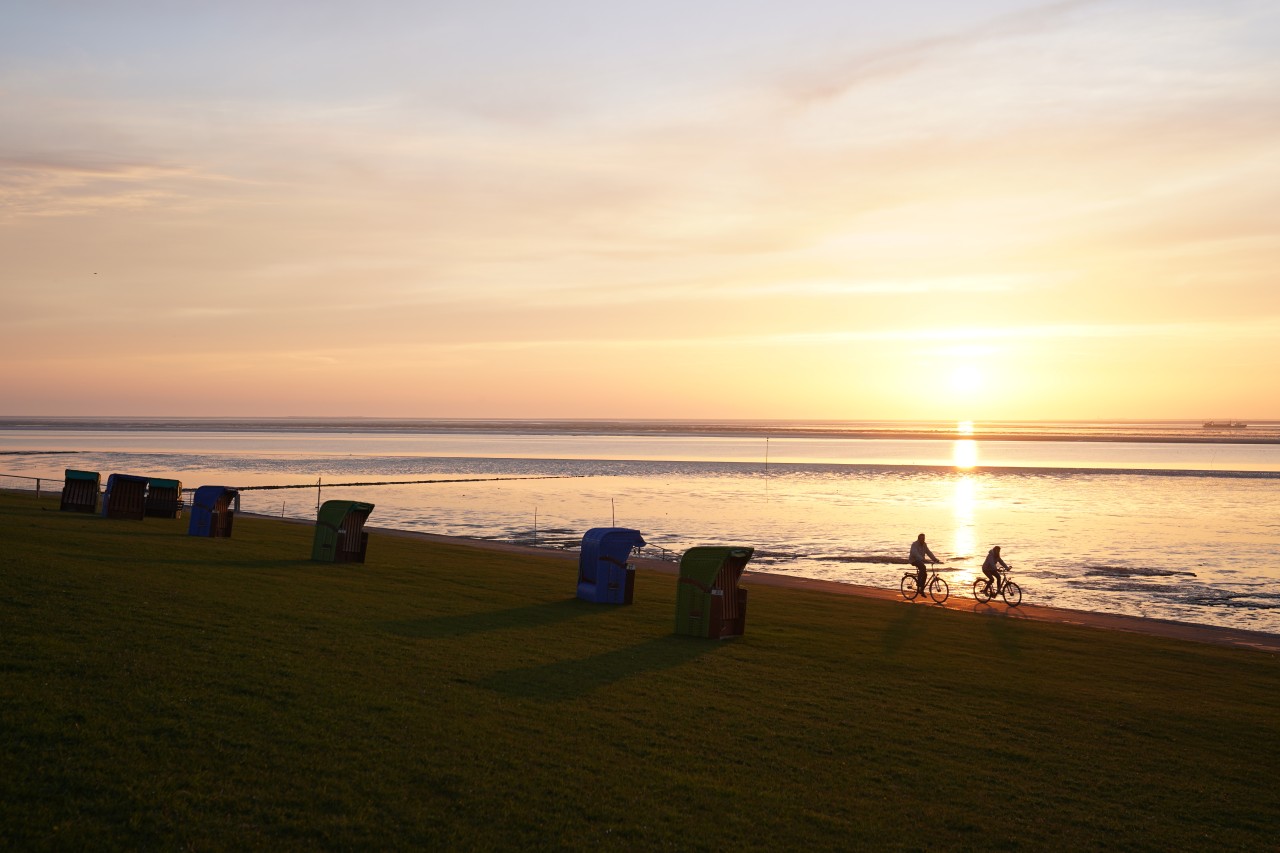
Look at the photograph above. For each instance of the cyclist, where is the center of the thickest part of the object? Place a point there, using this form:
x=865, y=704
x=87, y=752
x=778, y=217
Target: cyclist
x=989, y=569
x=919, y=550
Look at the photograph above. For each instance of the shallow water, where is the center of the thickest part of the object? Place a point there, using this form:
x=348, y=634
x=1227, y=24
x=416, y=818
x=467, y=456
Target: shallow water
x=1183, y=531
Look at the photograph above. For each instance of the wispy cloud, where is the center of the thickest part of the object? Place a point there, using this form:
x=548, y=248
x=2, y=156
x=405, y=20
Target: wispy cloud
x=941, y=337
x=70, y=186
x=912, y=55
x=748, y=285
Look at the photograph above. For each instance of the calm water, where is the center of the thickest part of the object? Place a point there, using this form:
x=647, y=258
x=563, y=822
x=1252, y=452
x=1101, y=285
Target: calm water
x=1166, y=520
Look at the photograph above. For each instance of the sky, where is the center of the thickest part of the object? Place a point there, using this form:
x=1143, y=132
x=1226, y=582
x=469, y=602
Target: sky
x=930, y=209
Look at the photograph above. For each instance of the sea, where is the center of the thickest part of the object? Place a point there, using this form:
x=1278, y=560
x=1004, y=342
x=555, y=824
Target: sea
x=1168, y=520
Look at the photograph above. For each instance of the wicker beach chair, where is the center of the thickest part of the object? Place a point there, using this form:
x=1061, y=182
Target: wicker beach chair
x=340, y=536
x=80, y=491
x=604, y=575
x=709, y=602
x=213, y=511
x=125, y=497
x=164, y=499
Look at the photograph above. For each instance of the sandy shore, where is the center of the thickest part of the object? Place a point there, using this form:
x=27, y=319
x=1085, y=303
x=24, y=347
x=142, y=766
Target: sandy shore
x=1133, y=624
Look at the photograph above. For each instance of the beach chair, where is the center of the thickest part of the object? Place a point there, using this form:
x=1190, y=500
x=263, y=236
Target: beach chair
x=213, y=511
x=80, y=491
x=164, y=499
x=709, y=602
x=340, y=536
x=604, y=575
x=125, y=497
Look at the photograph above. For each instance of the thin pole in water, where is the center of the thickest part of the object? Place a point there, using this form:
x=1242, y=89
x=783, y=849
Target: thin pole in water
x=317, y=495
x=613, y=511
x=766, y=467
x=535, y=525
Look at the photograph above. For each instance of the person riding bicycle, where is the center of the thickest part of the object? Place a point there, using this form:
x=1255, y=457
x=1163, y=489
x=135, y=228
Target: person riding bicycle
x=989, y=569
x=919, y=550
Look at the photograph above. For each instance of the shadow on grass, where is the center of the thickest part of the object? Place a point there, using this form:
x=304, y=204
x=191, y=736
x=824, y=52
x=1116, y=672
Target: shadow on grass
x=901, y=630
x=1006, y=637
x=530, y=616
x=570, y=679
x=214, y=563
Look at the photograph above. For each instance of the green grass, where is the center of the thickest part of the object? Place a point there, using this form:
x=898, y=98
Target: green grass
x=159, y=691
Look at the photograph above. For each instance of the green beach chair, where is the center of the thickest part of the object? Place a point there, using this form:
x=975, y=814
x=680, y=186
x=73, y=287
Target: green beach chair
x=340, y=536
x=709, y=602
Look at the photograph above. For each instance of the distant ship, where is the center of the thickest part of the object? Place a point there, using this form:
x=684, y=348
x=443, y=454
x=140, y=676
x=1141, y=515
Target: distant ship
x=1224, y=425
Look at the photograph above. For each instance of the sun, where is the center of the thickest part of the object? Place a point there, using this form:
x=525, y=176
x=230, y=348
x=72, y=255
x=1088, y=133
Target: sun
x=966, y=379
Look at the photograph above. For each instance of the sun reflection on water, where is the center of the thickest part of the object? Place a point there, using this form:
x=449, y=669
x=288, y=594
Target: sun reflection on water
x=964, y=505
x=964, y=452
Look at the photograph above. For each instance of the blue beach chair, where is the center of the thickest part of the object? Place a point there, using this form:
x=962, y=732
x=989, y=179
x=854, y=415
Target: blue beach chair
x=125, y=497
x=213, y=511
x=604, y=575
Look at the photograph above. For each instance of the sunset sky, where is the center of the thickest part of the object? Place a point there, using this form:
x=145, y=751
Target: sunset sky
x=940, y=209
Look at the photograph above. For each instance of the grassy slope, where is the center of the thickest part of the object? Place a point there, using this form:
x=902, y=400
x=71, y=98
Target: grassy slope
x=162, y=691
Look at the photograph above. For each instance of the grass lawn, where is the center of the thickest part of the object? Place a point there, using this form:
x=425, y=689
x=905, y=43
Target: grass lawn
x=159, y=691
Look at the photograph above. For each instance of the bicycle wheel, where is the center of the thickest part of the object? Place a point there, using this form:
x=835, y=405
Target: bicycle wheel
x=909, y=588
x=1012, y=594
x=980, y=590
x=938, y=590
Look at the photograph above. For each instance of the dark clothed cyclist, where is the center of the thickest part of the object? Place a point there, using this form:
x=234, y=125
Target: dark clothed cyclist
x=989, y=569
x=919, y=550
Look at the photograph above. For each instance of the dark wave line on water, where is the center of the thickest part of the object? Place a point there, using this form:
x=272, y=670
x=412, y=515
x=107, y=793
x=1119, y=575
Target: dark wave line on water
x=38, y=452
x=403, y=482
x=1122, y=572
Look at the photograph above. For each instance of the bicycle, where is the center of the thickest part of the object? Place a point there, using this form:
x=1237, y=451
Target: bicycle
x=934, y=585
x=1004, y=587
